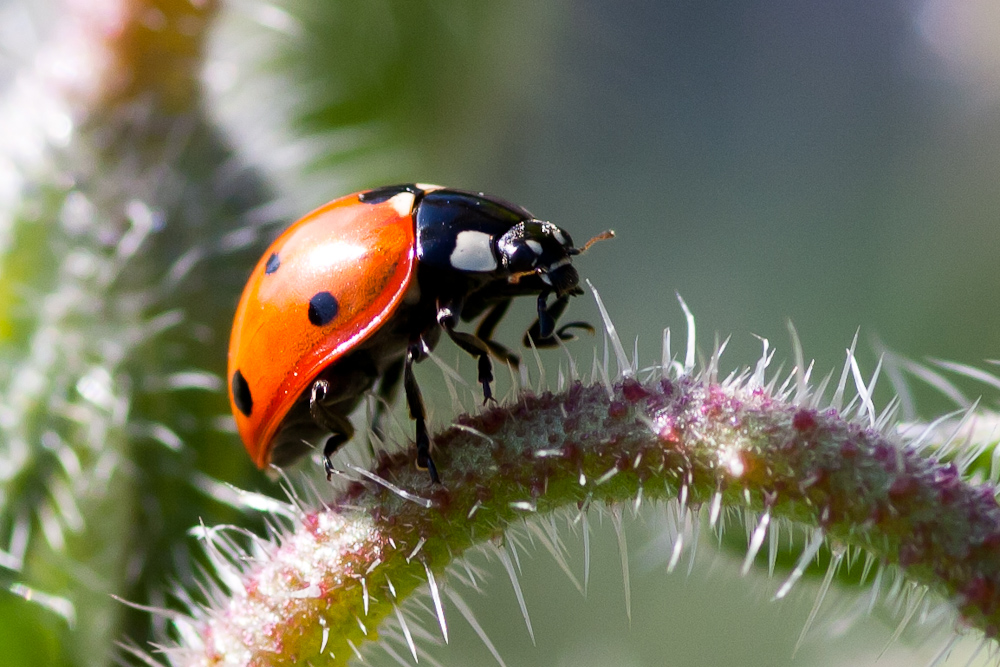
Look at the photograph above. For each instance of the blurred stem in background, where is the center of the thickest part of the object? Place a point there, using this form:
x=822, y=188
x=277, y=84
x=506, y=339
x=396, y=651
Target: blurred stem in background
x=129, y=225
x=114, y=292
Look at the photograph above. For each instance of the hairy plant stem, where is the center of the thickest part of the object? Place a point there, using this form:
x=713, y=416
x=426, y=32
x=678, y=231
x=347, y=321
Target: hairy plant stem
x=317, y=593
x=116, y=197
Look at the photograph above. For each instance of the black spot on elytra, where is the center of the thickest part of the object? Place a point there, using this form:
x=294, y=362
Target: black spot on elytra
x=323, y=308
x=379, y=195
x=241, y=394
x=272, y=264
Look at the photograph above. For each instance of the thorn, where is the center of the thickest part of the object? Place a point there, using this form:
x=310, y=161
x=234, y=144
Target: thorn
x=616, y=522
x=945, y=651
x=757, y=379
x=326, y=635
x=801, y=382
x=539, y=365
x=405, y=495
x=865, y=392
x=666, y=359
x=553, y=549
x=691, y=518
x=812, y=547
x=601, y=371
x=912, y=607
x=624, y=367
x=772, y=548
x=509, y=566
x=876, y=587
x=416, y=549
x=675, y=555
x=838, y=395
x=357, y=653
x=835, y=559
x=969, y=371
x=714, y=509
x=406, y=632
x=756, y=540
x=470, y=618
x=689, y=354
x=436, y=598
x=635, y=356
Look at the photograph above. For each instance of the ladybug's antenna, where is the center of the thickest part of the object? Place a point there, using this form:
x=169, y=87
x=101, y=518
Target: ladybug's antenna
x=603, y=236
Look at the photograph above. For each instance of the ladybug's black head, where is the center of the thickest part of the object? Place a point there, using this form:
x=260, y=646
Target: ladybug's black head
x=535, y=247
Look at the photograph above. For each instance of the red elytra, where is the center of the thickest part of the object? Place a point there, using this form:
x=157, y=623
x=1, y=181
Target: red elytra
x=367, y=252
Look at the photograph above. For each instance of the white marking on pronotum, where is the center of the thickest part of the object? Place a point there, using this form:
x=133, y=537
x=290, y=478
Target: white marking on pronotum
x=473, y=252
x=558, y=235
x=428, y=187
x=535, y=246
x=402, y=203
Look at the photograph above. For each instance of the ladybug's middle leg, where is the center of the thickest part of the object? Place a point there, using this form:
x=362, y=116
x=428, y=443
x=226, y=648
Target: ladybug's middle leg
x=416, y=405
x=326, y=416
x=484, y=332
x=447, y=317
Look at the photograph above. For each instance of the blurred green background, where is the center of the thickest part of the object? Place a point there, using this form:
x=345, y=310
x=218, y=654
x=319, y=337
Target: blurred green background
x=835, y=165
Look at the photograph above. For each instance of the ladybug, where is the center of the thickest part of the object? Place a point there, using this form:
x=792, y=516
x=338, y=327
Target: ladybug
x=359, y=290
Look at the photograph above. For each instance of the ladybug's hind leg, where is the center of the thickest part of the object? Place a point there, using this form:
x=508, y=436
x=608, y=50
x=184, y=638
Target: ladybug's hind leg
x=543, y=332
x=340, y=428
x=416, y=405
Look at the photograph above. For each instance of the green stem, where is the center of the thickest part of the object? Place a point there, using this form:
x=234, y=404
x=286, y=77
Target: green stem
x=323, y=589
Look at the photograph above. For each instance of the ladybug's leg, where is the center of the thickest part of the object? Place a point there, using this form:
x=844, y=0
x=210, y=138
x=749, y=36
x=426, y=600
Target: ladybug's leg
x=484, y=332
x=473, y=345
x=543, y=331
x=340, y=428
x=416, y=405
x=386, y=395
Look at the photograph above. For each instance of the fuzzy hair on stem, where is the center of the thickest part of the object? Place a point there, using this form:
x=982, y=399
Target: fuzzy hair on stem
x=330, y=575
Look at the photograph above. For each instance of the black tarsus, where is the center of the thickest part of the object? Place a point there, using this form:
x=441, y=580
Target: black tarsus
x=543, y=333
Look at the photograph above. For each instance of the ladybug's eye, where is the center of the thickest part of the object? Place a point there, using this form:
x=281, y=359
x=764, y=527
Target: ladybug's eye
x=533, y=244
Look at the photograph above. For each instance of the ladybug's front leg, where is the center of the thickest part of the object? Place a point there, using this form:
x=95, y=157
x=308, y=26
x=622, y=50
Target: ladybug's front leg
x=447, y=317
x=416, y=405
x=543, y=331
x=327, y=417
